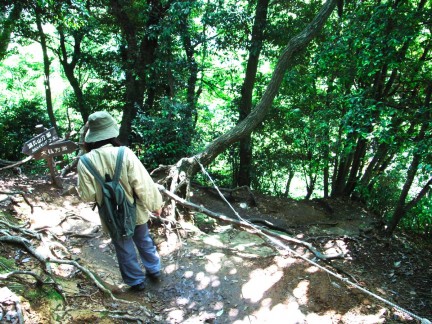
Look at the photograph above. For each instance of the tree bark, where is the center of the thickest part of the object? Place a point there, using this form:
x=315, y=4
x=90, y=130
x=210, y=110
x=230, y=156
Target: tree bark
x=191, y=94
x=8, y=27
x=69, y=69
x=245, y=151
x=403, y=207
x=47, y=63
x=138, y=55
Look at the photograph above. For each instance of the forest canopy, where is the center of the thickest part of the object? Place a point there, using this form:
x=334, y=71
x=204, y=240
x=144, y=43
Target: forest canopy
x=319, y=100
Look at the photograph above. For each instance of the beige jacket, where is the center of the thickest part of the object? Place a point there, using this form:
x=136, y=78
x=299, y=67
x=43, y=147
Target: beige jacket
x=134, y=178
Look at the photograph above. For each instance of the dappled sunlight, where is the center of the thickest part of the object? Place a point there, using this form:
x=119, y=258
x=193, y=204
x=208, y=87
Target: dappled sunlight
x=353, y=316
x=300, y=292
x=214, y=264
x=255, y=288
x=203, y=280
x=284, y=262
x=286, y=313
x=312, y=269
x=223, y=286
x=326, y=318
x=214, y=241
x=227, y=276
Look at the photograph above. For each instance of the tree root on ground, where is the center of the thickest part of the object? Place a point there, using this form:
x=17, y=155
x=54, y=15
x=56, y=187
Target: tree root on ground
x=12, y=164
x=39, y=279
x=45, y=261
x=242, y=223
x=231, y=192
x=22, y=193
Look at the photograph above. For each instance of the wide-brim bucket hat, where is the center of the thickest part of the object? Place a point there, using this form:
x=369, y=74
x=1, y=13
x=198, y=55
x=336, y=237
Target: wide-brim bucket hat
x=102, y=126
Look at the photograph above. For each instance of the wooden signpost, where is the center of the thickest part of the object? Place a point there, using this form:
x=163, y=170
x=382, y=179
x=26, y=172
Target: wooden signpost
x=40, y=141
x=46, y=145
x=56, y=149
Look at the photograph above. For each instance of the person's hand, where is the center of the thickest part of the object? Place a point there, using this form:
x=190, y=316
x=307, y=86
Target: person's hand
x=157, y=212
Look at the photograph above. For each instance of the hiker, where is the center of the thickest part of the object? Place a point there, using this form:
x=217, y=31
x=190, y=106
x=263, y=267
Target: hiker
x=102, y=147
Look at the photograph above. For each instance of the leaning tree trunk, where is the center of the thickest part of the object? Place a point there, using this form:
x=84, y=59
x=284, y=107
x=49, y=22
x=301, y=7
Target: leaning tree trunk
x=184, y=170
x=257, y=115
x=402, y=207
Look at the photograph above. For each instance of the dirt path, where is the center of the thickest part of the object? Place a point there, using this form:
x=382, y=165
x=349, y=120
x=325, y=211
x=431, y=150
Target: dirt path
x=219, y=274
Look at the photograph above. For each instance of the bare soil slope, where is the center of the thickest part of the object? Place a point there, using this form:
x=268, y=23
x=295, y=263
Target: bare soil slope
x=215, y=273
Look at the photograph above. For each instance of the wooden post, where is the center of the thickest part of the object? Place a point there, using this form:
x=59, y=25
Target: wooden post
x=55, y=177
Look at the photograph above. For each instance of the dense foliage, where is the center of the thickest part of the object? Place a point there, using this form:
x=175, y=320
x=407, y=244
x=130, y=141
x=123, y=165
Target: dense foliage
x=352, y=117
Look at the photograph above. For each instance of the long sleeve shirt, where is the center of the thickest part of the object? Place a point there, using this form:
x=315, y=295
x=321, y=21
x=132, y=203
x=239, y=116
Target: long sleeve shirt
x=134, y=178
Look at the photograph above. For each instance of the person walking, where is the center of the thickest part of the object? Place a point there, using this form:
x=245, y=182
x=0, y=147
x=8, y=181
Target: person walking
x=102, y=146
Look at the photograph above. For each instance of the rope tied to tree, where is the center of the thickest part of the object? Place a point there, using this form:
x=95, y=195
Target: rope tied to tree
x=284, y=246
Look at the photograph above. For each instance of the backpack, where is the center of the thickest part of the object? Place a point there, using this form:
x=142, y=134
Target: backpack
x=115, y=211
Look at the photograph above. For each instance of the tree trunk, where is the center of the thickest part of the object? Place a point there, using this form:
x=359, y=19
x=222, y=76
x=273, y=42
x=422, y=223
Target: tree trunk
x=355, y=167
x=8, y=27
x=402, y=207
x=310, y=186
x=288, y=183
x=138, y=55
x=191, y=114
x=46, y=61
x=69, y=69
x=341, y=173
x=245, y=152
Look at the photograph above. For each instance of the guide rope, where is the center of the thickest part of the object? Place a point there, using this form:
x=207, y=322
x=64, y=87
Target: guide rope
x=286, y=247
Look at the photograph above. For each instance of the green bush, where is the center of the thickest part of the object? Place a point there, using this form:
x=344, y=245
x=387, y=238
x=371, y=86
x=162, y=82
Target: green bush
x=17, y=126
x=385, y=194
x=162, y=139
x=419, y=219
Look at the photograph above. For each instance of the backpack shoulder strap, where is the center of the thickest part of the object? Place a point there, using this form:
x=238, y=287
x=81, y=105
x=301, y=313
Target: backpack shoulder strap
x=119, y=163
x=89, y=165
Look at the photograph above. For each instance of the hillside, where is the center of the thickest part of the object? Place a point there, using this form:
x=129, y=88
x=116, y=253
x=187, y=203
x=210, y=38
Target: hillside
x=215, y=272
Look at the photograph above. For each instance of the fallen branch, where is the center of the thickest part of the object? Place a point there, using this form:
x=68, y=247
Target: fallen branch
x=81, y=235
x=245, y=224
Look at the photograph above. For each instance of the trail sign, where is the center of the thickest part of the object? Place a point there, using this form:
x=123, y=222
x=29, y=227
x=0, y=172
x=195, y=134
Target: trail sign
x=56, y=149
x=38, y=142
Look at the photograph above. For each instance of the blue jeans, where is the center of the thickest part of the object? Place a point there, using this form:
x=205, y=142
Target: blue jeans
x=129, y=265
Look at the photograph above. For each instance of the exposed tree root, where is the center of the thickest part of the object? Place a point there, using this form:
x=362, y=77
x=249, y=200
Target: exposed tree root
x=244, y=224
x=45, y=261
x=10, y=193
x=229, y=193
x=39, y=280
x=14, y=164
x=22, y=229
